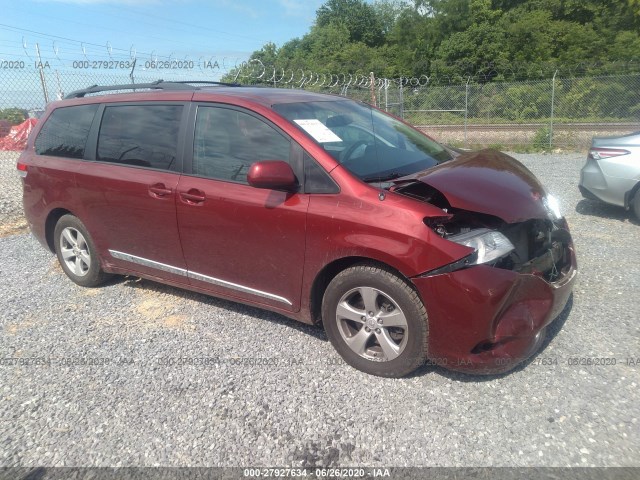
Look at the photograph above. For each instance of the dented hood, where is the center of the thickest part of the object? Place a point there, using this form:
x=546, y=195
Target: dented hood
x=489, y=182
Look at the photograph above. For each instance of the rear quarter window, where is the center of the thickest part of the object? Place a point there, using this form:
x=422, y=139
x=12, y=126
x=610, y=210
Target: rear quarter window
x=65, y=132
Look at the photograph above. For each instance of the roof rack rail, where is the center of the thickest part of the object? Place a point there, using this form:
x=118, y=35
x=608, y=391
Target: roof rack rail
x=206, y=82
x=157, y=85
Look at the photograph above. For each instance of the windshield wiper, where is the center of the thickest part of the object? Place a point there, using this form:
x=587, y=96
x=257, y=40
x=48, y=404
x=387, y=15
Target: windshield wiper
x=382, y=178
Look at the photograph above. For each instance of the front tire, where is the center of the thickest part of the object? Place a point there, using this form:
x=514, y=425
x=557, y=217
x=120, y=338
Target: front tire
x=376, y=321
x=77, y=253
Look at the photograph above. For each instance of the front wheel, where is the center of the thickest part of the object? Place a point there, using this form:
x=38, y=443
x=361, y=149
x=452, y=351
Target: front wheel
x=76, y=252
x=376, y=321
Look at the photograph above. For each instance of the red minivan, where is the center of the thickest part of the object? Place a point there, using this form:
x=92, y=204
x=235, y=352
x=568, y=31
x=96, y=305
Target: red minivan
x=314, y=206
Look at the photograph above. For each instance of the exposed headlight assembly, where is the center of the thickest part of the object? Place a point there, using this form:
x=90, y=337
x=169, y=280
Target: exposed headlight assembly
x=488, y=244
x=552, y=205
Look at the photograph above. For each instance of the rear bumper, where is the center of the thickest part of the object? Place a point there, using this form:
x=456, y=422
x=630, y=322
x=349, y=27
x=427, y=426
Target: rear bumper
x=595, y=184
x=587, y=194
x=487, y=320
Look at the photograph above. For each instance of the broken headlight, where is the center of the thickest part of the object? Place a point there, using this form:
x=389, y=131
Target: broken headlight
x=488, y=244
x=552, y=205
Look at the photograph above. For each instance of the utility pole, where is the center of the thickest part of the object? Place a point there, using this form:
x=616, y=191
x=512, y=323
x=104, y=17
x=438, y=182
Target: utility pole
x=42, y=79
x=133, y=67
x=553, y=99
x=466, y=110
x=372, y=87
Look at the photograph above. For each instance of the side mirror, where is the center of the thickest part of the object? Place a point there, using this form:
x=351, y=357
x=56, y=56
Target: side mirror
x=272, y=174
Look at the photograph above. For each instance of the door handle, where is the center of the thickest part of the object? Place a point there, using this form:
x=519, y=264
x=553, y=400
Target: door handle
x=158, y=190
x=193, y=196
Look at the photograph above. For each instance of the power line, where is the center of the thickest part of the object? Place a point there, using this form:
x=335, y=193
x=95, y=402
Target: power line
x=188, y=24
x=83, y=44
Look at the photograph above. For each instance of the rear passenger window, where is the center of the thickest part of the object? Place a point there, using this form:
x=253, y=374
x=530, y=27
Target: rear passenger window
x=65, y=132
x=142, y=135
x=228, y=141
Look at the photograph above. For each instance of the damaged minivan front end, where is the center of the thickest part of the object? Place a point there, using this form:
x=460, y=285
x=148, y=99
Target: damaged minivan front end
x=518, y=273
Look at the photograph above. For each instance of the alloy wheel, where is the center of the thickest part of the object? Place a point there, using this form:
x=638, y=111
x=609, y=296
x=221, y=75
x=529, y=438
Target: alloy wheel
x=75, y=251
x=372, y=324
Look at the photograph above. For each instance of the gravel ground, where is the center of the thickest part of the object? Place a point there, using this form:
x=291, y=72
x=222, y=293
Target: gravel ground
x=301, y=406
x=11, y=196
x=11, y=219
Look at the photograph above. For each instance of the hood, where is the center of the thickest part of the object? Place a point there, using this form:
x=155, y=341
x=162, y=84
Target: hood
x=489, y=182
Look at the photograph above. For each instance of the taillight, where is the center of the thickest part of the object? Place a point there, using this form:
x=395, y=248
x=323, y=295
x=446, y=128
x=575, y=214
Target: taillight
x=22, y=169
x=601, y=153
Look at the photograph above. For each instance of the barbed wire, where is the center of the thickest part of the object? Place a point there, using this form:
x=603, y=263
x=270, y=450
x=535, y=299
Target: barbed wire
x=66, y=54
x=256, y=71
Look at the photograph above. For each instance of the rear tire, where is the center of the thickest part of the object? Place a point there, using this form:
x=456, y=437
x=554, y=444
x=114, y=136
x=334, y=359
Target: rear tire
x=636, y=205
x=77, y=253
x=376, y=321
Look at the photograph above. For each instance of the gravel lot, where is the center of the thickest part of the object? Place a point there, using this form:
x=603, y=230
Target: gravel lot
x=11, y=219
x=301, y=406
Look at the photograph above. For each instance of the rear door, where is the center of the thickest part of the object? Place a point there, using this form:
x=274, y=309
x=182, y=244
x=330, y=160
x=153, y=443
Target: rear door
x=240, y=241
x=128, y=191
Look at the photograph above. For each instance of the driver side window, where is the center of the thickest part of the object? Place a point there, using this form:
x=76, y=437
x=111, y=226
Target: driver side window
x=227, y=142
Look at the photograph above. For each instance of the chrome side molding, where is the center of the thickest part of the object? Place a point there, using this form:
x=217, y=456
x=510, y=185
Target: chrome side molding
x=148, y=263
x=235, y=286
x=195, y=276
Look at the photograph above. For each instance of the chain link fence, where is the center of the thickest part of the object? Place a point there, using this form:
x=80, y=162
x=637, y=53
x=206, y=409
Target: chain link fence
x=557, y=113
x=562, y=113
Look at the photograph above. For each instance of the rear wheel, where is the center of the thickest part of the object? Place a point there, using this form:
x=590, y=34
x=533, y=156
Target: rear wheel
x=636, y=204
x=376, y=321
x=76, y=252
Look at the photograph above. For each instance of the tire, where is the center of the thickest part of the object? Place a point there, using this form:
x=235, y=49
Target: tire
x=77, y=253
x=390, y=343
x=636, y=205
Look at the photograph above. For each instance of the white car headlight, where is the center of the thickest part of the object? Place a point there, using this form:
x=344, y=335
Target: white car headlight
x=489, y=244
x=553, y=206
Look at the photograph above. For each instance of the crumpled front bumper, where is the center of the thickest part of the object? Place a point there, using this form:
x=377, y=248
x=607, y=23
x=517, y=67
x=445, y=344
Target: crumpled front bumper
x=486, y=320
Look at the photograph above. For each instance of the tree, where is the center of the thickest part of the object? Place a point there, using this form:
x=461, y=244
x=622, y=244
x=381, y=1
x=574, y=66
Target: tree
x=478, y=48
x=488, y=39
x=15, y=116
x=358, y=17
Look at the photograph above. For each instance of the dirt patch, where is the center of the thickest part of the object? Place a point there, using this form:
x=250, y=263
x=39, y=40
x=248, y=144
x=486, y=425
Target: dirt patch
x=13, y=227
x=55, y=268
x=151, y=308
x=175, y=321
x=14, y=328
x=158, y=310
x=91, y=292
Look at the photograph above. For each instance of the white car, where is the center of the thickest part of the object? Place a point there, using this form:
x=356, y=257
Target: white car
x=612, y=172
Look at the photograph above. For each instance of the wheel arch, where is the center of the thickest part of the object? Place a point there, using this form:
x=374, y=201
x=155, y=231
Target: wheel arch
x=328, y=273
x=631, y=194
x=50, y=225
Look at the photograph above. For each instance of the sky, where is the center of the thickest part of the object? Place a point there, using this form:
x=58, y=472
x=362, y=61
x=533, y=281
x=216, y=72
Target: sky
x=220, y=33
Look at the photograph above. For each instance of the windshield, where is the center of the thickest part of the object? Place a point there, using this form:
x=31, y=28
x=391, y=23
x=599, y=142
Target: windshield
x=369, y=143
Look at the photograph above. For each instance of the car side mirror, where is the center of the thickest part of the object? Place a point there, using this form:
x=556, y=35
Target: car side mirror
x=272, y=174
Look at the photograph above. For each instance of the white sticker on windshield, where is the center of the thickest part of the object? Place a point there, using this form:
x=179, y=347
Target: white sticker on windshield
x=318, y=130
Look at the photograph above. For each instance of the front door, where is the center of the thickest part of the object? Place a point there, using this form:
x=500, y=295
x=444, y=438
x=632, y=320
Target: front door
x=237, y=240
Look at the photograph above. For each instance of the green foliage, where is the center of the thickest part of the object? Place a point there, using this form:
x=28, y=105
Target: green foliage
x=589, y=98
x=541, y=140
x=360, y=19
x=454, y=39
x=15, y=116
x=516, y=102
